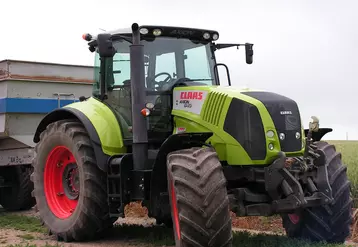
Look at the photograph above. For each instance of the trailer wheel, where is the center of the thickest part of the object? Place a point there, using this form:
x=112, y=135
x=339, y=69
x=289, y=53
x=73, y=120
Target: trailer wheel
x=70, y=189
x=198, y=198
x=18, y=196
x=325, y=223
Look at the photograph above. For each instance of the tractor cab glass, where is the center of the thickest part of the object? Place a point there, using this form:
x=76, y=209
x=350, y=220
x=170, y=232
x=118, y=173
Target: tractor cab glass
x=167, y=62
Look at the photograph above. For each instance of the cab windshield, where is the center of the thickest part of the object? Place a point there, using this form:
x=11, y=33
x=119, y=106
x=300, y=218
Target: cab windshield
x=167, y=61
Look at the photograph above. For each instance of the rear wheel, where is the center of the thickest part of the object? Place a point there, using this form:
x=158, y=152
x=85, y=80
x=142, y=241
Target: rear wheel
x=70, y=189
x=18, y=196
x=198, y=199
x=329, y=223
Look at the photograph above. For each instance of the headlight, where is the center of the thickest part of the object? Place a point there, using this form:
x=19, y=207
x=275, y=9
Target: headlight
x=282, y=136
x=270, y=134
x=206, y=35
x=270, y=146
x=157, y=32
x=144, y=31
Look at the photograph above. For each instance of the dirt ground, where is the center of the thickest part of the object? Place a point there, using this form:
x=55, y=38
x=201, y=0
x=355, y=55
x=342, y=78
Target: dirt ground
x=135, y=215
x=15, y=237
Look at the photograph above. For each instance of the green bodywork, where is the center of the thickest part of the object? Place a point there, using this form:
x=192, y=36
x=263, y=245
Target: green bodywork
x=211, y=119
x=105, y=123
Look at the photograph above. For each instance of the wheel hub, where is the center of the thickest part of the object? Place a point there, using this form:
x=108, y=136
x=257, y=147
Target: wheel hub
x=71, y=181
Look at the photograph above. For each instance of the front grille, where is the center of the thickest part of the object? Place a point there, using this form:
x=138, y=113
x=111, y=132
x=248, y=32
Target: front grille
x=244, y=123
x=286, y=117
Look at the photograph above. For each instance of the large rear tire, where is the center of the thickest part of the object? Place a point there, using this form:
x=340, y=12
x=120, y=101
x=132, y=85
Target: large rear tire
x=18, y=196
x=198, y=199
x=329, y=223
x=70, y=189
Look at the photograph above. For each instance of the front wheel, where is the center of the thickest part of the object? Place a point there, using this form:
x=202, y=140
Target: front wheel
x=198, y=199
x=70, y=189
x=330, y=223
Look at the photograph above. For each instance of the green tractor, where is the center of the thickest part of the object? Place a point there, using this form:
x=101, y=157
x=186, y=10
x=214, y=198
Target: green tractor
x=190, y=149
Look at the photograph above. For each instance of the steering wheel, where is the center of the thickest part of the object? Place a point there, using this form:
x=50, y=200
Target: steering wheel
x=166, y=80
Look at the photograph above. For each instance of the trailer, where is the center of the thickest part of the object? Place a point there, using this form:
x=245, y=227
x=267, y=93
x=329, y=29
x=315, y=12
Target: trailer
x=28, y=91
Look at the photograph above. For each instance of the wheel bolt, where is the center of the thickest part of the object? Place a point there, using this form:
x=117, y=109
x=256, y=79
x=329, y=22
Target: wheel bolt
x=71, y=210
x=59, y=164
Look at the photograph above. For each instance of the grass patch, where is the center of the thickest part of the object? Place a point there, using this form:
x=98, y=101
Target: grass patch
x=245, y=239
x=161, y=236
x=26, y=236
x=21, y=222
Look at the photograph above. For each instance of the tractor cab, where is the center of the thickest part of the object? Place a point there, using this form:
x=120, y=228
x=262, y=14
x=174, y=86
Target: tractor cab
x=172, y=57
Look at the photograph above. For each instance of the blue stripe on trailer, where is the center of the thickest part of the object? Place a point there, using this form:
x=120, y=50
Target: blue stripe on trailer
x=21, y=105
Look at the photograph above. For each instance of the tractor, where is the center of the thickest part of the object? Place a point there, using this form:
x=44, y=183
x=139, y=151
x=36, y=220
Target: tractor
x=160, y=129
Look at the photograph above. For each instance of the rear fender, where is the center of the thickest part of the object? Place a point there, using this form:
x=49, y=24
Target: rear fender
x=158, y=183
x=100, y=123
x=317, y=136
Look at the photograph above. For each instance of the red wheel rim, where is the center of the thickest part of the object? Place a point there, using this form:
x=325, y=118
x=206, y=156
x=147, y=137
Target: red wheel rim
x=294, y=218
x=61, y=185
x=175, y=210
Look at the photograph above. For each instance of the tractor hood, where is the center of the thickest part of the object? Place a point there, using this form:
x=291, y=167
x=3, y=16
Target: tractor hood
x=247, y=115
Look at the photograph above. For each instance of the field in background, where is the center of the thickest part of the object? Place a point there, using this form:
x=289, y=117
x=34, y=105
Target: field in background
x=349, y=150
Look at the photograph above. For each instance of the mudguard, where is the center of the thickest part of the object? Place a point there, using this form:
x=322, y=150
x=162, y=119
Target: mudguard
x=317, y=136
x=100, y=123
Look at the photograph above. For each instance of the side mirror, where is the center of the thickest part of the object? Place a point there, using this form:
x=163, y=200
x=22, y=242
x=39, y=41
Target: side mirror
x=105, y=45
x=249, y=53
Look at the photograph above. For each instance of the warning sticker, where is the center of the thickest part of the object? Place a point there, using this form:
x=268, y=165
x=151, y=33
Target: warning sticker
x=189, y=100
x=180, y=130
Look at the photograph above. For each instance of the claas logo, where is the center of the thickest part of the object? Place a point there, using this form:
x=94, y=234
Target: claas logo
x=191, y=95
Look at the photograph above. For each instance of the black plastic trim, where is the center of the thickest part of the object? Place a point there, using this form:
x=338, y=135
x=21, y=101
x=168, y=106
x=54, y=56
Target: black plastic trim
x=317, y=136
x=244, y=123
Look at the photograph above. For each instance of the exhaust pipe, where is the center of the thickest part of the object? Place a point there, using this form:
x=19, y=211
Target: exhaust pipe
x=138, y=97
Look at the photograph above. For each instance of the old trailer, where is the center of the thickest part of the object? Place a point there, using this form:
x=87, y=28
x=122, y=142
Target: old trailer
x=28, y=91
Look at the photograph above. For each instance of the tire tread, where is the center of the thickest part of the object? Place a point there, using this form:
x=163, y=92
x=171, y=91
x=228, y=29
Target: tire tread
x=202, y=199
x=94, y=216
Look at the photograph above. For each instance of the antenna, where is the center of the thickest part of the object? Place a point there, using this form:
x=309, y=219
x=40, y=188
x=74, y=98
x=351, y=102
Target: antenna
x=102, y=29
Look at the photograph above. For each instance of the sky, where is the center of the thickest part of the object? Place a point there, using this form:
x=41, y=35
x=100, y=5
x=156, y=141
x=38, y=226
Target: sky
x=306, y=50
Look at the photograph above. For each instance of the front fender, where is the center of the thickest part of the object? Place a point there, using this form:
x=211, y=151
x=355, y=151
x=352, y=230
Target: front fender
x=100, y=123
x=317, y=136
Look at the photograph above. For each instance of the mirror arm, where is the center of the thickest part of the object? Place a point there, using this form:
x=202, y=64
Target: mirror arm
x=248, y=49
x=223, y=46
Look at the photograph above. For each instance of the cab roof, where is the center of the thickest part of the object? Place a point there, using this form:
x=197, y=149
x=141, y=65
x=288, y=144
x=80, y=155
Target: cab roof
x=166, y=31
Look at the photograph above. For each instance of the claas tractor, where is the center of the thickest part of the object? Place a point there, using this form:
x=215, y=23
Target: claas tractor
x=160, y=129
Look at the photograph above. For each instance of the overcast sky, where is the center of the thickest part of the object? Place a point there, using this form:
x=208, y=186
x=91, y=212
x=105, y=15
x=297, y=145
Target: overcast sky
x=304, y=49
